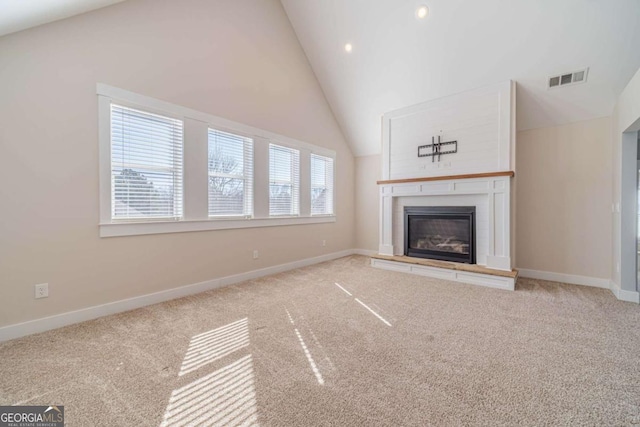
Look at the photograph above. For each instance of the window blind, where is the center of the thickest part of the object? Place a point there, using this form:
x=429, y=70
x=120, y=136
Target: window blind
x=284, y=180
x=321, y=185
x=146, y=165
x=230, y=174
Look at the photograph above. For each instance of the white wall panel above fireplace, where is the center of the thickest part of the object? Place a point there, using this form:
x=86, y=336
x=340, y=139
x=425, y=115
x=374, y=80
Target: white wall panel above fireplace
x=482, y=121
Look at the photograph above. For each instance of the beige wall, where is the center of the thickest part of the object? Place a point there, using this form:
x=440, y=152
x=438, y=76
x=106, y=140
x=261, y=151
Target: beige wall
x=237, y=59
x=564, y=196
x=368, y=172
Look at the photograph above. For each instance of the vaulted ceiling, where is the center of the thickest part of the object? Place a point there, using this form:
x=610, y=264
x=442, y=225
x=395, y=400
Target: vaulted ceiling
x=398, y=60
x=16, y=15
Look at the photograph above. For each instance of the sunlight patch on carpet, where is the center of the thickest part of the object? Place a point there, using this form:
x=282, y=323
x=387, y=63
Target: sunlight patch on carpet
x=306, y=351
x=382, y=319
x=225, y=397
x=215, y=344
x=373, y=312
x=346, y=291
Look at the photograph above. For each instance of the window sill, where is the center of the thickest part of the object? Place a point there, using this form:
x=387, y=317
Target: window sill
x=184, y=226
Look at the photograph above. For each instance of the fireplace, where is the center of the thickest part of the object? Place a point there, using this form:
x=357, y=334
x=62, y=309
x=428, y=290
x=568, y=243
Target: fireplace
x=443, y=232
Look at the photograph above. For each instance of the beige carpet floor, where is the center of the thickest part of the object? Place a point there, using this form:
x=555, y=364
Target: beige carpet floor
x=381, y=349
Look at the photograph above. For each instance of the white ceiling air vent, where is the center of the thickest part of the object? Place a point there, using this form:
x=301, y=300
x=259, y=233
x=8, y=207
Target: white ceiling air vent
x=568, y=79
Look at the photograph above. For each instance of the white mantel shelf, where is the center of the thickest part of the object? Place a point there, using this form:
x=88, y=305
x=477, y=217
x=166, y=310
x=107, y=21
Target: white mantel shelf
x=510, y=174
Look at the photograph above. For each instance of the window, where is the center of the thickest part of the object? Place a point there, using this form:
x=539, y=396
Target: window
x=146, y=165
x=284, y=180
x=165, y=168
x=230, y=174
x=321, y=185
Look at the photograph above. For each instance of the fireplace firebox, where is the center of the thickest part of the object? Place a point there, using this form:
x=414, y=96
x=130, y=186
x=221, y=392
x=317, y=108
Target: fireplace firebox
x=443, y=232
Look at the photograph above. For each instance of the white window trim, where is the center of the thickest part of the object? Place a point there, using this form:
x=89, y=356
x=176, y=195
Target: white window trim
x=195, y=208
x=157, y=227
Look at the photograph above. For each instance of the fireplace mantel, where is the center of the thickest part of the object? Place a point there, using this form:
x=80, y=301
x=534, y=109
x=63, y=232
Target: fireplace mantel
x=490, y=194
x=492, y=197
x=445, y=178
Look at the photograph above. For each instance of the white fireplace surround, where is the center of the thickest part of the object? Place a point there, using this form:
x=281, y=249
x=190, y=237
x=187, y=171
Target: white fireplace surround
x=490, y=195
x=478, y=173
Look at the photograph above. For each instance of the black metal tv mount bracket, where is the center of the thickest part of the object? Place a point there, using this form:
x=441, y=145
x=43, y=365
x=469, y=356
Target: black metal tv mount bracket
x=435, y=149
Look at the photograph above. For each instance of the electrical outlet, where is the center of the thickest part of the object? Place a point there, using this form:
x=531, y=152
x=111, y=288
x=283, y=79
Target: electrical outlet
x=42, y=290
x=324, y=243
x=255, y=254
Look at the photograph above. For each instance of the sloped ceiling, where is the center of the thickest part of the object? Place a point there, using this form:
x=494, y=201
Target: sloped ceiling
x=398, y=60
x=17, y=15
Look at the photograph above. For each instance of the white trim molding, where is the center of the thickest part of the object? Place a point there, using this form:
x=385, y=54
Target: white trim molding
x=155, y=227
x=69, y=318
x=572, y=279
x=164, y=107
x=195, y=216
x=622, y=295
x=365, y=252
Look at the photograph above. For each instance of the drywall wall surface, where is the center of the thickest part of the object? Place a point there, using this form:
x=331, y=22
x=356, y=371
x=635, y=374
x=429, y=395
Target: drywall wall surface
x=237, y=59
x=564, y=199
x=368, y=171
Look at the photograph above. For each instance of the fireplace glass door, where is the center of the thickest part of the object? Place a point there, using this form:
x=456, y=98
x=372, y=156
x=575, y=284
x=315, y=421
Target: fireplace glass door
x=443, y=233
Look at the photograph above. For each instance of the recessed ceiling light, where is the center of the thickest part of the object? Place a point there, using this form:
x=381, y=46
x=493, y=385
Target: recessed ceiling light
x=422, y=12
x=348, y=47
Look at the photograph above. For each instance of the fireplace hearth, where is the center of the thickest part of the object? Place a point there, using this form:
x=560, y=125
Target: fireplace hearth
x=443, y=233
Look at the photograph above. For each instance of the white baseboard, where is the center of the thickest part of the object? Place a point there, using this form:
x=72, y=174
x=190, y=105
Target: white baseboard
x=573, y=279
x=366, y=252
x=622, y=295
x=64, y=319
x=59, y=320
